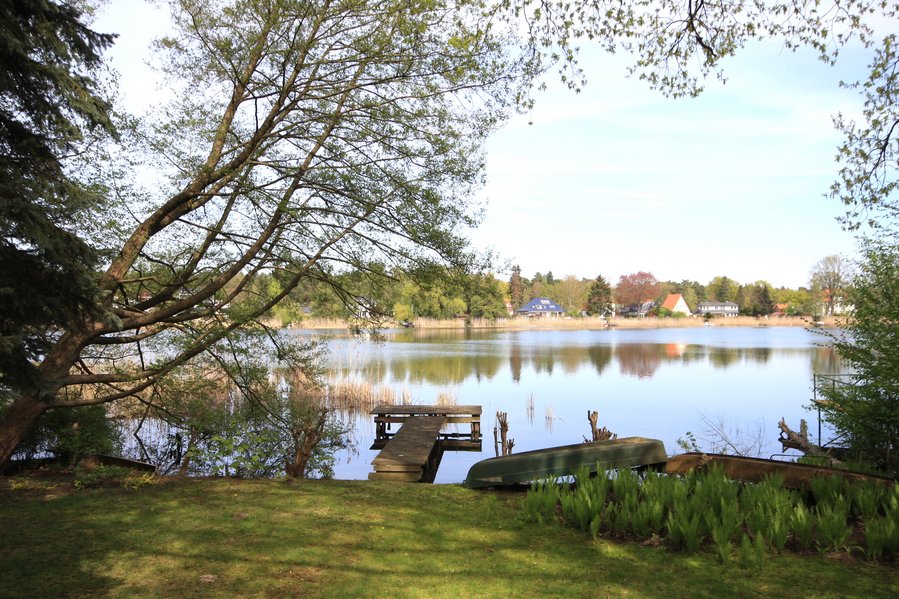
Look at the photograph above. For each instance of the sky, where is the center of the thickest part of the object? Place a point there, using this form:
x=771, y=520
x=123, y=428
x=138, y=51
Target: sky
x=619, y=179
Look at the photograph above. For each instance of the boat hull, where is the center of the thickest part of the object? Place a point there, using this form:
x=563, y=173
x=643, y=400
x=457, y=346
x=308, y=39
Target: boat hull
x=795, y=476
x=565, y=460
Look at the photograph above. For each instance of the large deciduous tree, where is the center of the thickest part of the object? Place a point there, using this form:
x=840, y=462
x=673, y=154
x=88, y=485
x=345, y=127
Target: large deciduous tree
x=722, y=289
x=303, y=138
x=830, y=277
x=570, y=292
x=756, y=299
x=636, y=288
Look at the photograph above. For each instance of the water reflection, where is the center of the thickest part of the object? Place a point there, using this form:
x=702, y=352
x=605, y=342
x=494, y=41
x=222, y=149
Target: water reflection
x=654, y=383
x=640, y=360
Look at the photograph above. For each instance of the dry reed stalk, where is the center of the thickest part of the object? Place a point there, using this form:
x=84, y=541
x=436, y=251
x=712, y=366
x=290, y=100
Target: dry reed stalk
x=353, y=395
x=446, y=398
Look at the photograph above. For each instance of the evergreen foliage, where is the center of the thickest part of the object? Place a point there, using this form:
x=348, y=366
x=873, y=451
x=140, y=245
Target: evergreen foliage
x=72, y=434
x=49, y=102
x=516, y=288
x=599, y=299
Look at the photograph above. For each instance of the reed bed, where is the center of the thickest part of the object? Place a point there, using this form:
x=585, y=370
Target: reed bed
x=355, y=396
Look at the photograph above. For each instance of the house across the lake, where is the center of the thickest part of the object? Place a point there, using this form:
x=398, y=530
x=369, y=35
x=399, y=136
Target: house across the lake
x=718, y=308
x=675, y=304
x=541, y=307
x=637, y=310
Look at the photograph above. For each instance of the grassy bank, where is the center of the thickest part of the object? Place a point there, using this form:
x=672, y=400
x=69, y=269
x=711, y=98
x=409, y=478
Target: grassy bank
x=588, y=323
x=232, y=538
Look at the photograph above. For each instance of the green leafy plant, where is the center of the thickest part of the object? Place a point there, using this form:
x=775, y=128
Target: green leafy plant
x=648, y=516
x=826, y=489
x=747, y=557
x=866, y=499
x=88, y=478
x=688, y=441
x=881, y=537
x=833, y=528
x=721, y=537
x=759, y=548
x=685, y=525
x=578, y=510
x=802, y=524
x=541, y=500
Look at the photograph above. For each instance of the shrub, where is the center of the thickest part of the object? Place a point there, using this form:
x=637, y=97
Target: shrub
x=70, y=433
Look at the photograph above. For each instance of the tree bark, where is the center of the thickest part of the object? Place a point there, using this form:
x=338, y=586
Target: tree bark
x=304, y=441
x=24, y=412
x=17, y=421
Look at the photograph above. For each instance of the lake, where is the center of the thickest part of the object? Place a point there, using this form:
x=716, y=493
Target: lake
x=658, y=383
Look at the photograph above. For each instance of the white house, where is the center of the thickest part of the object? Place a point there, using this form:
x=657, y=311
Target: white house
x=675, y=304
x=718, y=308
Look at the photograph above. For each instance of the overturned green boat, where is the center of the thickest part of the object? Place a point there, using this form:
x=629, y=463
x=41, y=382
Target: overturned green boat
x=565, y=460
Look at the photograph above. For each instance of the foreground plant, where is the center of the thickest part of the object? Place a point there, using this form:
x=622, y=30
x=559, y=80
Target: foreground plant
x=707, y=509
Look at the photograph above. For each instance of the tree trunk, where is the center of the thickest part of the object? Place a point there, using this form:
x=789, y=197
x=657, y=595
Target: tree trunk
x=304, y=441
x=17, y=421
x=24, y=412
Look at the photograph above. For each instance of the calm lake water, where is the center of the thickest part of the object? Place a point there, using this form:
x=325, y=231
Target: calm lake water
x=658, y=383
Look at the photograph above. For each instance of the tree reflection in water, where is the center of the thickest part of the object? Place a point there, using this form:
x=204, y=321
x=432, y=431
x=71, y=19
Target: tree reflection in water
x=658, y=382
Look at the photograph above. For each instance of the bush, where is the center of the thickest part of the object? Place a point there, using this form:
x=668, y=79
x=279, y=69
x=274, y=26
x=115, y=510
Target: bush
x=70, y=434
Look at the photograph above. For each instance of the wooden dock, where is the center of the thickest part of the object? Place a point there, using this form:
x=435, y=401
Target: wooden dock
x=414, y=451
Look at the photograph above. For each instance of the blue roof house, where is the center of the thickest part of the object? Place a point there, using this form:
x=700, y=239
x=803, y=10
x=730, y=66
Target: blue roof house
x=541, y=307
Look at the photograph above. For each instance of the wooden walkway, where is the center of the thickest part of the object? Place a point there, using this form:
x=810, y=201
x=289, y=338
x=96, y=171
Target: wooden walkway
x=413, y=452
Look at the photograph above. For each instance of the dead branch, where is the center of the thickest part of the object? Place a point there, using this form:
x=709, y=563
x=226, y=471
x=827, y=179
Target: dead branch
x=790, y=439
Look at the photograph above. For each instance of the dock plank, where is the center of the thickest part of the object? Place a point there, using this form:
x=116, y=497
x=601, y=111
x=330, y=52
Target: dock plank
x=428, y=410
x=412, y=444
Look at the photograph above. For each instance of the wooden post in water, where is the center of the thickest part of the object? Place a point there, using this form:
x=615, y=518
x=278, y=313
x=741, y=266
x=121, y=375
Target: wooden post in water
x=503, y=419
x=599, y=434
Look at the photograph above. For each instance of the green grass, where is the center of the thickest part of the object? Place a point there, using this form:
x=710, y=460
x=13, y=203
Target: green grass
x=261, y=538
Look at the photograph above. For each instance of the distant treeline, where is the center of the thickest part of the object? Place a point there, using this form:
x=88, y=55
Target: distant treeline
x=446, y=294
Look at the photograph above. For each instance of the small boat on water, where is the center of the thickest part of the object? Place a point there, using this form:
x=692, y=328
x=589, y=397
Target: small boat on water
x=795, y=476
x=565, y=460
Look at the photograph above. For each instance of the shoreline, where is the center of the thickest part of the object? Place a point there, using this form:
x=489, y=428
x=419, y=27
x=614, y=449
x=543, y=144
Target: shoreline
x=568, y=323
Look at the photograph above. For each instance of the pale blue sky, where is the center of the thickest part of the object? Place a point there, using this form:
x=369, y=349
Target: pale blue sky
x=618, y=178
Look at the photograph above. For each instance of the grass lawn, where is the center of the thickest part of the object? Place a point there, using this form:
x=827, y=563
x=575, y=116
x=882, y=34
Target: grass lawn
x=263, y=538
